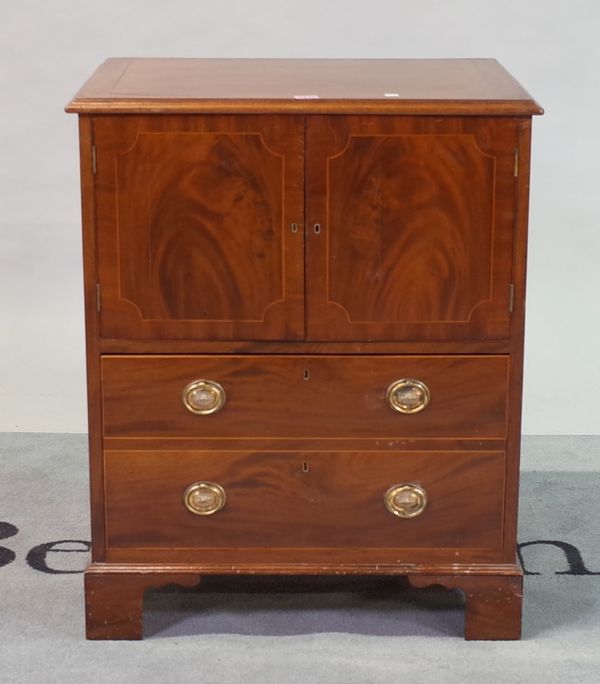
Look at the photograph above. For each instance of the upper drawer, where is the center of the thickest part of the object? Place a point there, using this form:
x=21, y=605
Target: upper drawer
x=306, y=396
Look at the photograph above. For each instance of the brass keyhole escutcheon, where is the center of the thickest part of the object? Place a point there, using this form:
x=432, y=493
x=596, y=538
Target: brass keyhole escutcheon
x=203, y=397
x=204, y=498
x=405, y=500
x=408, y=395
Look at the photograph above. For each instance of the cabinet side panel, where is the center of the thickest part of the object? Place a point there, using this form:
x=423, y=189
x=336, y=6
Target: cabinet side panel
x=518, y=332
x=88, y=208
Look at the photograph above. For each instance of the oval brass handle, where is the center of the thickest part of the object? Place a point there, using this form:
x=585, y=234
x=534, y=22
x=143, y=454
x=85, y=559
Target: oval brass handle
x=405, y=500
x=203, y=397
x=204, y=498
x=408, y=395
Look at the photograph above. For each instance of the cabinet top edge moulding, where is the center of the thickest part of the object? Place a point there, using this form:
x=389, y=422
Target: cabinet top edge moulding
x=305, y=86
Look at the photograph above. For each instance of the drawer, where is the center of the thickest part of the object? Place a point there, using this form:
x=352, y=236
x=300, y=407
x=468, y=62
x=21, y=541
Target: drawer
x=304, y=500
x=306, y=396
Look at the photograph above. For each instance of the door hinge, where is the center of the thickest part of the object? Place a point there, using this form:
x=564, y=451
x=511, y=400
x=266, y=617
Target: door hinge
x=94, y=159
x=511, y=297
x=516, y=164
x=98, y=298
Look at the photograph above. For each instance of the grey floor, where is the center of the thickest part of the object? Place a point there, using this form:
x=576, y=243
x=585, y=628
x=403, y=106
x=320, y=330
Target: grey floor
x=346, y=631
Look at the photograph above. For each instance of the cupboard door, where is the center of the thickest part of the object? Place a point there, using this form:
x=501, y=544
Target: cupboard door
x=410, y=227
x=194, y=226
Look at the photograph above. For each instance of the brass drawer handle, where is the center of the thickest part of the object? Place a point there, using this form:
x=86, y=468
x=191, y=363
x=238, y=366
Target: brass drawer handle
x=204, y=397
x=408, y=395
x=405, y=500
x=204, y=498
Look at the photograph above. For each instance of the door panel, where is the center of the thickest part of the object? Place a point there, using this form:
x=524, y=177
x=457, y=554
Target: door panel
x=415, y=233
x=194, y=218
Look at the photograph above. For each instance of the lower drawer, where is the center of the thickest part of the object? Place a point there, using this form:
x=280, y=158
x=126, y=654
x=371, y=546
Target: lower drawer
x=305, y=499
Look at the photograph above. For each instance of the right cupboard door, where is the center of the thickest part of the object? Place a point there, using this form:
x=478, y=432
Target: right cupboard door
x=410, y=227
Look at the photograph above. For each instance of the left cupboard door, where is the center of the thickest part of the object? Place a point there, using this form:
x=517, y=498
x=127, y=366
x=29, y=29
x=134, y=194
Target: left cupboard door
x=199, y=222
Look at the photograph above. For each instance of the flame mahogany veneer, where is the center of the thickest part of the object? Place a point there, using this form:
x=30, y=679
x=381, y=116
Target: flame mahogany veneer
x=286, y=239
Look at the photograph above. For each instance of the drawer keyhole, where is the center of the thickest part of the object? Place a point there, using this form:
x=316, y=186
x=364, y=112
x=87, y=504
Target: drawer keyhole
x=305, y=467
x=306, y=374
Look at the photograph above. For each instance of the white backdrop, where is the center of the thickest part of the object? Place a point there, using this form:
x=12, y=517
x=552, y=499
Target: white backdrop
x=47, y=49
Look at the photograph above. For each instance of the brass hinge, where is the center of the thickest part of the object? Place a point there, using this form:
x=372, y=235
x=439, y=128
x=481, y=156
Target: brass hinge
x=511, y=297
x=98, y=298
x=516, y=166
x=93, y=159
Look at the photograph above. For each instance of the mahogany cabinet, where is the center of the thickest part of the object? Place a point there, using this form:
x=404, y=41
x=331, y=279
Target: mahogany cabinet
x=304, y=286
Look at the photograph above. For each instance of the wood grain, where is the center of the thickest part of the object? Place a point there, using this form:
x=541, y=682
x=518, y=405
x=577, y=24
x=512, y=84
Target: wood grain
x=270, y=347
x=324, y=443
x=493, y=604
x=383, y=224
x=294, y=559
x=114, y=601
x=416, y=227
x=211, y=226
x=271, y=397
x=94, y=391
x=516, y=372
x=409, y=169
x=305, y=499
x=114, y=593
x=400, y=86
x=194, y=227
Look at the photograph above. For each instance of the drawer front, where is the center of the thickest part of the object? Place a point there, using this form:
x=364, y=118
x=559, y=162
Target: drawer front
x=304, y=500
x=307, y=396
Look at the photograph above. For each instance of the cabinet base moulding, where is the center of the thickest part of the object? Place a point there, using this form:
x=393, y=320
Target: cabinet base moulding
x=114, y=594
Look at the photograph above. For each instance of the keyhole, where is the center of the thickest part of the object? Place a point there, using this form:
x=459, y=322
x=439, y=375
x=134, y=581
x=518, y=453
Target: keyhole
x=305, y=466
x=317, y=228
x=306, y=374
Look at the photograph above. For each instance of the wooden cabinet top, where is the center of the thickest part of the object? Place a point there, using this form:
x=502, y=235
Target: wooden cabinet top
x=379, y=86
